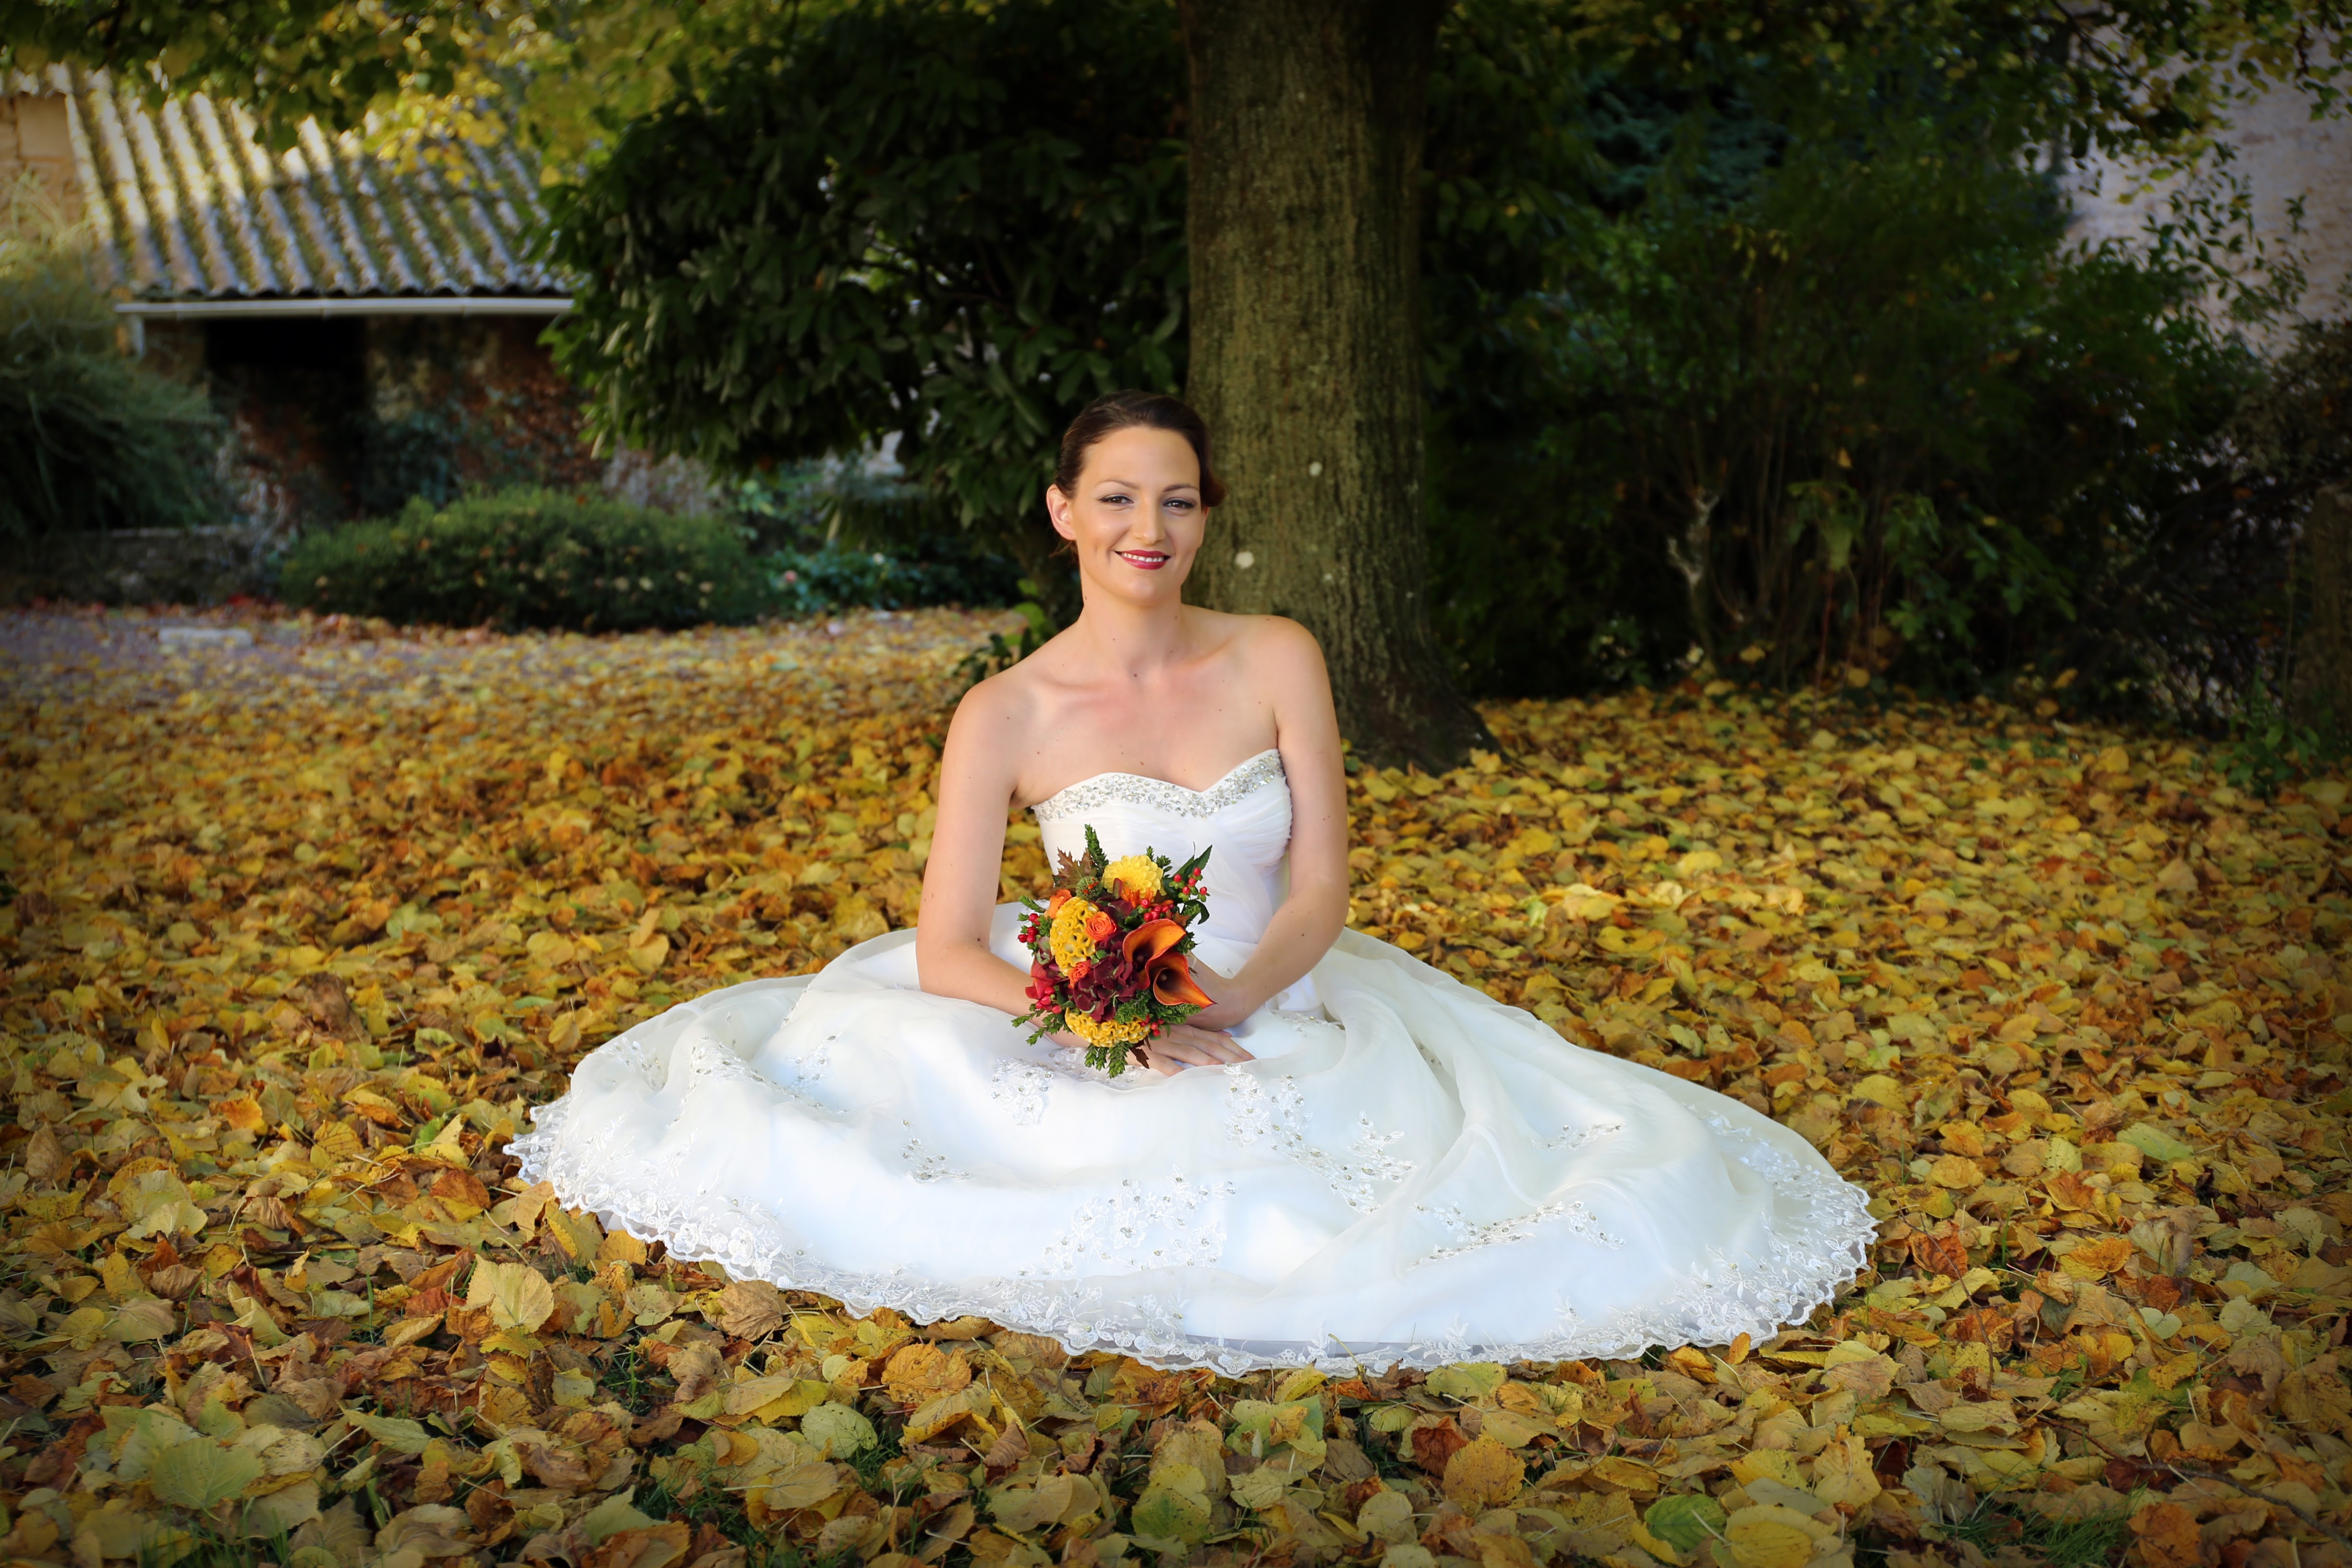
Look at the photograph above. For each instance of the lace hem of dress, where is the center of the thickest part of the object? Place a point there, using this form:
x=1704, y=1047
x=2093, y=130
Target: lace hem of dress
x=1807, y=1266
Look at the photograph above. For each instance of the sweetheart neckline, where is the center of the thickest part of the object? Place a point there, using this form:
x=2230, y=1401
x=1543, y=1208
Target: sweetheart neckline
x=1165, y=784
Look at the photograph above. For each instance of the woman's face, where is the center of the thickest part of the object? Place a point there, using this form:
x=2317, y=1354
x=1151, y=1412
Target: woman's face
x=1137, y=517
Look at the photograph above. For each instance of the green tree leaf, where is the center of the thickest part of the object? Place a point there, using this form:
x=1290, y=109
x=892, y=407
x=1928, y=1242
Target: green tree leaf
x=397, y=1433
x=2155, y=1142
x=960, y=274
x=837, y=1430
x=1685, y=1520
x=1172, y=1515
x=1467, y=1380
x=199, y=1473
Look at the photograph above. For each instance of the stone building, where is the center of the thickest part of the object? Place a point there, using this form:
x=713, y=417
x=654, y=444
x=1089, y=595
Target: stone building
x=371, y=330
x=2283, y=156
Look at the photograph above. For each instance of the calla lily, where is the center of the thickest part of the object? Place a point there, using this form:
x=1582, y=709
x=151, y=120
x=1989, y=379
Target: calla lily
x=1151, y=947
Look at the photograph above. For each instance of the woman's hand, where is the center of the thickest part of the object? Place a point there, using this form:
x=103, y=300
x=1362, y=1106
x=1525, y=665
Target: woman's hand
x=1181, y=1046
x=1229, y=1003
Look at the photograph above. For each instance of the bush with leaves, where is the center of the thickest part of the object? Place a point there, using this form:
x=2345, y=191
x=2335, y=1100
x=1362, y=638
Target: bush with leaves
x=945, y=221
x=2298, y=424
x=838, y=576
x=530, y=558
x=89, y=439
x=1814, y=393
x=833, y=536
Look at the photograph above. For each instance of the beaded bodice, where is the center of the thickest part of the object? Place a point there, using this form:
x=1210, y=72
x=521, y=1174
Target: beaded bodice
x=1136, y=789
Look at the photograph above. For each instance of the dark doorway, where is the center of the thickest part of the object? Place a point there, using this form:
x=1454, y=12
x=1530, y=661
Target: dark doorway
x=294, y=386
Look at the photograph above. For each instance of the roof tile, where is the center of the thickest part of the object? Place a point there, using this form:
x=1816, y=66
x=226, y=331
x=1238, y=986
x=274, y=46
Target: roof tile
x=188, y=204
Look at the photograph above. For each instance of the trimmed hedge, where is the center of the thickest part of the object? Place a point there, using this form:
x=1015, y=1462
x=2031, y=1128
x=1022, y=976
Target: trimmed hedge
x=530, y=558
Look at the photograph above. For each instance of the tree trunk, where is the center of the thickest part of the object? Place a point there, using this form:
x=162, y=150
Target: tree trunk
x=1305, y=126
x=2323, y=674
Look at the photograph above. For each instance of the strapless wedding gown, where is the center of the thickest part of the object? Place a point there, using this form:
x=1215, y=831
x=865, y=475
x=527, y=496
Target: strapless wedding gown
x=1409, y=1172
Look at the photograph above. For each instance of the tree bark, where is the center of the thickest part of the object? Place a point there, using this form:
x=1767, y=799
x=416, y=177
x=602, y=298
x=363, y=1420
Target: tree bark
x=2323, y=674
x=1306, y=125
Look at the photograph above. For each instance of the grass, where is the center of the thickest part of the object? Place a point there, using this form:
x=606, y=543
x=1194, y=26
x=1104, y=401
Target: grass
x=2088, y=1541
x=868, y=1461
x=713, y=1505
x=625, y=1378
x=206, y=1547
x=698, y=1505
x=1381, y=1453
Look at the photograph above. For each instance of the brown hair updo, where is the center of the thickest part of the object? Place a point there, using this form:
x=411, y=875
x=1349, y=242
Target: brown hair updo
x=1124, y=411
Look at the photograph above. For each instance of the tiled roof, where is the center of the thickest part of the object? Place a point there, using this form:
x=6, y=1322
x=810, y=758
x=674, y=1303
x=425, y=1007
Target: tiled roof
x=189, y=205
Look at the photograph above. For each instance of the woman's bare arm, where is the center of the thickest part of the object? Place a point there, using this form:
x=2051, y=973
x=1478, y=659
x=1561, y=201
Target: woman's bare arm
x=1309, y=919
x=978, y=773
x=977, y=784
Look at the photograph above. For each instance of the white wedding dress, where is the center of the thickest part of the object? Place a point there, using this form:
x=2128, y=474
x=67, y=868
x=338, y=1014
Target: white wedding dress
x=1410, y=1172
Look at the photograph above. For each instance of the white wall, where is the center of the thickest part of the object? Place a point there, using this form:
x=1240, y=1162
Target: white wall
x=2282, y=152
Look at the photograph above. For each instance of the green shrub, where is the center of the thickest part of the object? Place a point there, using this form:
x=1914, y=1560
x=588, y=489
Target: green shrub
x=817, y=581
x=833, y=536
x=1809, y=395
x=89, y=438
x=2297, y=425
x=530, y=558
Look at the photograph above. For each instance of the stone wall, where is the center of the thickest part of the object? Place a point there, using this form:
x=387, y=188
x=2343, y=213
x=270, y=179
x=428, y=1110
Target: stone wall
x=466, y=401
x=34, y=140
x=140, y=566
x=2282, y=153
x=340, y=417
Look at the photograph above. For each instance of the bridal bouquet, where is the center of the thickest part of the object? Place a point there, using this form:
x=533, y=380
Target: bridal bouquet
x=1107, y=950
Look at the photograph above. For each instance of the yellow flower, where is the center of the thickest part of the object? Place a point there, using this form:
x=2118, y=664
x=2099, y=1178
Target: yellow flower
x=1134, y=876
x=1069, y=943
x=1113, y=1032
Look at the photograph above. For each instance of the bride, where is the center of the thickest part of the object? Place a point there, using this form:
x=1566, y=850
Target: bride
x=1350, y=1159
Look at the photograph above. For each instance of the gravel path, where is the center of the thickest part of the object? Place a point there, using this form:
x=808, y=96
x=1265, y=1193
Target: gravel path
x=261, y=659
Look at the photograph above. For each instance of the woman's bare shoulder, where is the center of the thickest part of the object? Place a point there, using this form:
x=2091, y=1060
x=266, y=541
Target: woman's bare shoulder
x=1256, y=637
x=996, y=709
x=1018, y=702
x=1278, y=650
x=1035, y=682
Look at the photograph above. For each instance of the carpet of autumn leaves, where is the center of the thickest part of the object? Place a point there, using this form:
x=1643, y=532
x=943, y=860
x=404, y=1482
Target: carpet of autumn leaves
x=297, y=933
